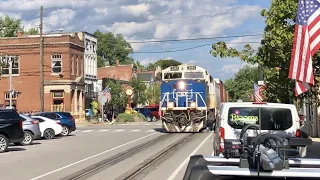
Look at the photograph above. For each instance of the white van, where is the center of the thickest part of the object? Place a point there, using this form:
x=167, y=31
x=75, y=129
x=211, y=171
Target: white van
x=275, y=118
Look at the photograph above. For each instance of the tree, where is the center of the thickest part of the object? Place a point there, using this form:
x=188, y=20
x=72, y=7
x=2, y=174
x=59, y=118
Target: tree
x=9, y=27
x=153, y=94
x=118, y=97
x=163, y=64
x=139, y=91
x=113, y=47
x=274, y=51
x=242, y=84
x=31, y=31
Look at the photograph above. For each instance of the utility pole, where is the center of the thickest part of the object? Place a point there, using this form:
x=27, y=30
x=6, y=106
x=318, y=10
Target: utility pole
x=10, y=79
x=41, y=62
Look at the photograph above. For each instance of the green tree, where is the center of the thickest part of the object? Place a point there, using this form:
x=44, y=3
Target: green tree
x=139, y=89
x=9, y=27
x=113, y=47
x=31, y=31
x=274, y=51
x=163, y=64
x=242, y=84
x=118, y=97
x=153, y=94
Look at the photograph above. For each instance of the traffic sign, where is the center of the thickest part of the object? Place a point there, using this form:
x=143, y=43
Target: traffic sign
x=260, y=83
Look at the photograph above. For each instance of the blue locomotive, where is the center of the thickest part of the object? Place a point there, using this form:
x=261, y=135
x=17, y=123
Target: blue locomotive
x=189, y=98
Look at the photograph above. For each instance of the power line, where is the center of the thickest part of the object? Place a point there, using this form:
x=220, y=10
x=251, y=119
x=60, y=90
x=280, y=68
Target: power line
x=192, y=39
x=185, y=49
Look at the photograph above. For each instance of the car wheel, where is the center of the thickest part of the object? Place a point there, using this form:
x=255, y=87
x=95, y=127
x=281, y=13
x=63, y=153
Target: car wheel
x=65, y=131
x=28, y=139
x=154, y=118
x=48, y=134
x=148, y=119
x=4, y=142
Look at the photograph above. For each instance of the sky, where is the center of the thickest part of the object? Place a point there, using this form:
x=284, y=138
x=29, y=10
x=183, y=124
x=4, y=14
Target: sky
x=237, y=22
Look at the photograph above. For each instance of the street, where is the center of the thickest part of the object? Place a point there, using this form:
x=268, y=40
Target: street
x=121, y=148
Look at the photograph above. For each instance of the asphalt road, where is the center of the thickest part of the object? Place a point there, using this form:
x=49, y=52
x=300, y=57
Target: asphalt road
x=63, y=156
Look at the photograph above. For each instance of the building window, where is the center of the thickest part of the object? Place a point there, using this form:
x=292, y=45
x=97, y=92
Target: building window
x=15, y=64
x=72, y=65
x=58, y=94
x=81, y=66
x=77, y=66
x=56, y=63
x=94, y=47
x=7, y=99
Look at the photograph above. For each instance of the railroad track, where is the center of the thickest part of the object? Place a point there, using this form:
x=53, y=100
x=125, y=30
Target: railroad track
x=137, y=171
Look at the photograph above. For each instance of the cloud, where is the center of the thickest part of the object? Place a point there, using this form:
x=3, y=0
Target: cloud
x=231, y=68
x=146, y=62
x=136, y=10
x=239, y=42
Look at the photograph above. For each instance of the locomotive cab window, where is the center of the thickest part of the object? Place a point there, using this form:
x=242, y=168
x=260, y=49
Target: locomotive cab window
x=173, y=75
x=193, y=75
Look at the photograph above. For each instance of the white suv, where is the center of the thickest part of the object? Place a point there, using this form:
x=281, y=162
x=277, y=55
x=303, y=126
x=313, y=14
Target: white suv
x=275, y=118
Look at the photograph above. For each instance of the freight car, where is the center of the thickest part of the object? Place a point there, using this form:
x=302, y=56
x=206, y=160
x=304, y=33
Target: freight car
x=189, y=98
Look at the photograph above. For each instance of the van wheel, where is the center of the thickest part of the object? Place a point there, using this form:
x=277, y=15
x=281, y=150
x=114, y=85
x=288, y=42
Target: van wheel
x=4, y=142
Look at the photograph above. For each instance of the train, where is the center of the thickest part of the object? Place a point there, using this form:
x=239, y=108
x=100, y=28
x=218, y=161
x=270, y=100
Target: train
x=190, y=98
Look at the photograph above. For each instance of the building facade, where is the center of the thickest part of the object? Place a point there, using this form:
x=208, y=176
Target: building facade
x=117, y=72
x=90, y=66
x=64, y=85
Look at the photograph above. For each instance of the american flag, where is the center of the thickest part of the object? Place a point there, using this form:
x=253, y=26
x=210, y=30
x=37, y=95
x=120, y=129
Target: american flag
x=305, y=45
x=107, y=93
x=257, y=93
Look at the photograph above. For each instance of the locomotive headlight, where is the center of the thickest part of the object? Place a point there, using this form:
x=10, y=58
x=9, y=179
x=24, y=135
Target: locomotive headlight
x=192, y=104
x=182, y=85
x=170, y=105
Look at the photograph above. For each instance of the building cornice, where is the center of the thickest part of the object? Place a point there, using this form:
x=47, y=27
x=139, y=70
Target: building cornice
x=37, y=45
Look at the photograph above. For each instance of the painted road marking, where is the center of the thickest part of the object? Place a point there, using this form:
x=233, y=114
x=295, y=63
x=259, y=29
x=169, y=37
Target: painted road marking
x=87, y=131
x=135, y=130
x=175, y=173
x=119, y=130
x=82, y=160
x=104, y=130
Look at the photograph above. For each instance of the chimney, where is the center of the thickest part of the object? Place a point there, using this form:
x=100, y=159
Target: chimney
x=117, y=62
x=138, y=70
x=19, y=34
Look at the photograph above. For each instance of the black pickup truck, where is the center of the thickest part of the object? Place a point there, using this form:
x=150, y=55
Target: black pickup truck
x=10, y=128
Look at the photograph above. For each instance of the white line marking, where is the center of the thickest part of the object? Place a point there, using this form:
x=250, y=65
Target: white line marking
x=64, y=167
x=150, y=130
x=174, y=174
x=87, y=131
x=77, y=130
x=119, y=130
x=135, y=130
x=104, y=130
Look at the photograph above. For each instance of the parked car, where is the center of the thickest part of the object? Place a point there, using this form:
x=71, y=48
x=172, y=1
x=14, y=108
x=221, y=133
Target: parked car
x=277, y=118
x=31, y=130
x=66, y=119
x=154, y=108
x=11, y=130
x=49, y=128
x=147, y=113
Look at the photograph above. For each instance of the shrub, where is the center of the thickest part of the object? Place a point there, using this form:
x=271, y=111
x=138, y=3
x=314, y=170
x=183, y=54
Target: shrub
x=131, y=117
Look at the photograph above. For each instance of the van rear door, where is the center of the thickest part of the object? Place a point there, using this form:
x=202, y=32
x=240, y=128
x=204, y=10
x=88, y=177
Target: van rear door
x=277, y=120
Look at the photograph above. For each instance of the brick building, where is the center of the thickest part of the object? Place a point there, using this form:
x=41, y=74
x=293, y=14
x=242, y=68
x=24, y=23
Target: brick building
x=63, y=72
x=117, y=72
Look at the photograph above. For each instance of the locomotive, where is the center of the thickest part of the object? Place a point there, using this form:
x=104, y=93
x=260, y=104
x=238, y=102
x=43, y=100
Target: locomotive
x=190, y=98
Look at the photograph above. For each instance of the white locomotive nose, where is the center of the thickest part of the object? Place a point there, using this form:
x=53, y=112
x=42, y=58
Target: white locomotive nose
x=182, y=85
